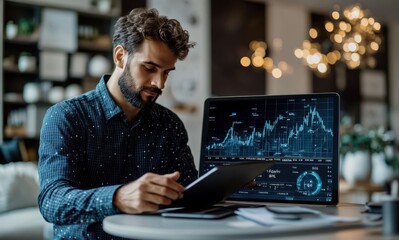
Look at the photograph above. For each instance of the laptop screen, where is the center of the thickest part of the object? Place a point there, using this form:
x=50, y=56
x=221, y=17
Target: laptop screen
x=298, y=132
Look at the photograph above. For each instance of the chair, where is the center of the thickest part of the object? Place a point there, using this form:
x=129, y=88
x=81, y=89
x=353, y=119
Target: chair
x=13, y=150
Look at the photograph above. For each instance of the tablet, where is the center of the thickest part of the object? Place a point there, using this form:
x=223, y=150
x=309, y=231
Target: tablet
x=220, y=182
x=211, y=212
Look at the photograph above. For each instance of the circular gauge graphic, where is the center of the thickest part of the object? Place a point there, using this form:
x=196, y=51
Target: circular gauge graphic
x=309, y=183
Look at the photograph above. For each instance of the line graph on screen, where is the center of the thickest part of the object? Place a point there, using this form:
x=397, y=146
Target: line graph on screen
x=276, y=129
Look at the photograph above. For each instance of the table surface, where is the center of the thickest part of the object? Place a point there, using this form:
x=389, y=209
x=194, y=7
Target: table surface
x=156, y=227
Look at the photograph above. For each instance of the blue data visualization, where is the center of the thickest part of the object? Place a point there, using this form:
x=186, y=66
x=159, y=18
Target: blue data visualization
x=287, y=127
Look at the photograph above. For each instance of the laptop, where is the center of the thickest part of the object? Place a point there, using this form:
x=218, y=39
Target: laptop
x=298, y=133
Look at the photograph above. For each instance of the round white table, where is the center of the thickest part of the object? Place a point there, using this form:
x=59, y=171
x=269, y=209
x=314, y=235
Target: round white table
x=157, y=227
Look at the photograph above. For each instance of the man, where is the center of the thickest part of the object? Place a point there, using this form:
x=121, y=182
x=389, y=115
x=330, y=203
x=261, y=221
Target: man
x=114, y=150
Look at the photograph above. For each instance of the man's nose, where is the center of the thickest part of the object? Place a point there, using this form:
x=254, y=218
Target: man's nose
x=159, y=82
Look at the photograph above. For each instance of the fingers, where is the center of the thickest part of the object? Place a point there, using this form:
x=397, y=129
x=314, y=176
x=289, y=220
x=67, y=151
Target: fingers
x=148, y=192
x=159, y=190
x=167, y=181
x=173, y=176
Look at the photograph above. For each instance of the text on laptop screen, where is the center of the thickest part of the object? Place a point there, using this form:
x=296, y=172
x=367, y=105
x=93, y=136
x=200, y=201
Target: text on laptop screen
x=298, y=132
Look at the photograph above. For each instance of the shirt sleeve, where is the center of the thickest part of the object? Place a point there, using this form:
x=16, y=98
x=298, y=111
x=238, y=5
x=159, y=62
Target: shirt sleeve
x=62, y=154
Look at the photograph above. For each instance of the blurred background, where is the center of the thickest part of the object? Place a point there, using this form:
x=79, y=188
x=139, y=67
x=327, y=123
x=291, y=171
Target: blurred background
x=53, y=50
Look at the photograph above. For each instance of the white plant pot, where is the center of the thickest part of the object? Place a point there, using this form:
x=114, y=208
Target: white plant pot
x=356, y=167
x=104, y=5
x=26, y=63
x=380, y=172
x=11, y=30
x=31, y=92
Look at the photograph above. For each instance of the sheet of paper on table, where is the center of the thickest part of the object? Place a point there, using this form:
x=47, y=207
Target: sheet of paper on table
x=270, y=216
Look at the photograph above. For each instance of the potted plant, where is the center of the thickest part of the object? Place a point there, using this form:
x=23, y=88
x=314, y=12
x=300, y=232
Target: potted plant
x=368, y=155
x=382, y=151
x=355, y=155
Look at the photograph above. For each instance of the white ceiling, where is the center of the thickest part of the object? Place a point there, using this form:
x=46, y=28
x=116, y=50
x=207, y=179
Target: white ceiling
x=384, y=11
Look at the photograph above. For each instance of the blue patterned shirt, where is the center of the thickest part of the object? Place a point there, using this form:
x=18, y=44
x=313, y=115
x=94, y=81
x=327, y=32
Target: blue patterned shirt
x=88, y=149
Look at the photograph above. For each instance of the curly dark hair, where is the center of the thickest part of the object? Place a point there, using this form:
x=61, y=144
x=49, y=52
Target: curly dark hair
x=140, y=24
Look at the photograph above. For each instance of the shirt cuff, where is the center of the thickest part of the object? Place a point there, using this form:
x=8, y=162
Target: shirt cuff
x=104, y=201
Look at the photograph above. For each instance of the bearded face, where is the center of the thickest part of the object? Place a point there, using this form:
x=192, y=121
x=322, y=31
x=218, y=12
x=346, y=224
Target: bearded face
x=133, y=93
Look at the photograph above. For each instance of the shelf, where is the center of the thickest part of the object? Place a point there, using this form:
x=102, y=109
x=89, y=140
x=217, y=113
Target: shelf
x=95, y=45
x=23, y=119
x=80, y=6
x=24, y=40
x=16, y=71
x=15, y=102
x=11, y=132
x=11, y=97
x=96, y=13
x=23, y=103
x=360, y=188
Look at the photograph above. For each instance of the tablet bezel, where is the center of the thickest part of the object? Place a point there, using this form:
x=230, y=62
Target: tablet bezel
x=220, y=182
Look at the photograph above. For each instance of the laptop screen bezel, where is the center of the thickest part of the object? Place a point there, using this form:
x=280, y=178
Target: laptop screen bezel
x=336, y=112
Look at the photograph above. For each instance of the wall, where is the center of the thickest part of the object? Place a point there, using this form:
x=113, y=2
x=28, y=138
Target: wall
x=234, y=26
x=394, y=74
x=1, y=75
x=189, y=85
x=279, y=19
x=290, y=23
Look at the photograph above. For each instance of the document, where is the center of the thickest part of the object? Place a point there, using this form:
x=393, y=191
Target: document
x=270, y=216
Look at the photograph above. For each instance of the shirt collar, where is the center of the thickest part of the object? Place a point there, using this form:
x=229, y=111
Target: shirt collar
x=110, y=108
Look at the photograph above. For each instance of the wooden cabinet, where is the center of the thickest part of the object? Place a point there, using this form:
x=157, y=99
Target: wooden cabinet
x=39, y=66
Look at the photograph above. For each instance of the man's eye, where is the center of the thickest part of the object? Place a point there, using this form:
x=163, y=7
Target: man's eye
x=149, y=68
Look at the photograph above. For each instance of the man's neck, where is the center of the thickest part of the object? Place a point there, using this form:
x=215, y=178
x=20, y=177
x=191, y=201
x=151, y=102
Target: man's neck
x=130, y=111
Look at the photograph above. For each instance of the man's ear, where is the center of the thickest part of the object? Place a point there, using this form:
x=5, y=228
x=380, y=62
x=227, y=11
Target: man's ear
x=119, y=56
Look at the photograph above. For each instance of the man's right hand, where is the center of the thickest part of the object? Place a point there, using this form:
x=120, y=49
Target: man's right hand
x=148, y=192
